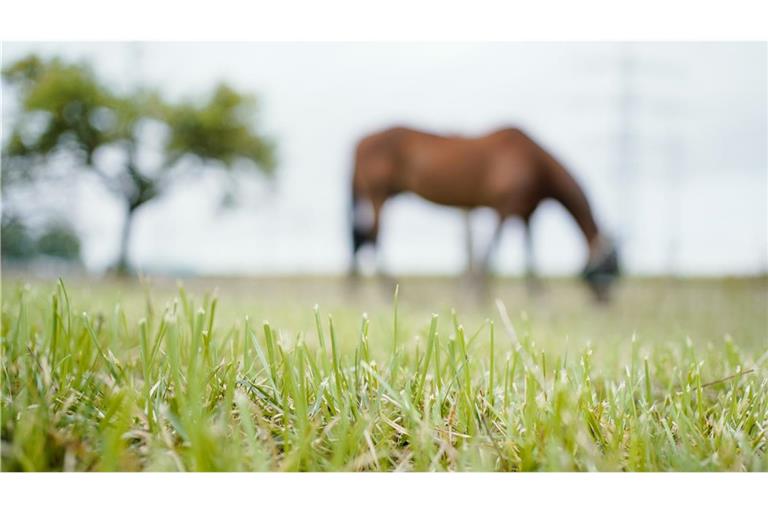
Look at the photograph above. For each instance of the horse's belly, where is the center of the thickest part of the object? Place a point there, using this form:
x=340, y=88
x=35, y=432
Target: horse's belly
x=464, y=189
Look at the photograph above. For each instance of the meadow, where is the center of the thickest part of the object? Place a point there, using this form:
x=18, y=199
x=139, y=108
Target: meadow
x=252, y=375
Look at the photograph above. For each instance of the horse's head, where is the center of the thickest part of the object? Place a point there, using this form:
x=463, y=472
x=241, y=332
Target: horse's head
x=601, y=271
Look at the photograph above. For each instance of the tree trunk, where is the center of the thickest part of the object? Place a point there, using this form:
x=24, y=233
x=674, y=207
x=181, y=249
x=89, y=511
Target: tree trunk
x=122, y=267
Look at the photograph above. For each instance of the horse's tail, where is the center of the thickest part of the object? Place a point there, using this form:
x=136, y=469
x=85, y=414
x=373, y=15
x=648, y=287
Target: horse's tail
x=361, y=220
x=354, y=204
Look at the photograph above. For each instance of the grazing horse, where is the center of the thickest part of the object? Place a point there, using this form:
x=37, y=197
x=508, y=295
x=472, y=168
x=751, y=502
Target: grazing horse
x=505, y=170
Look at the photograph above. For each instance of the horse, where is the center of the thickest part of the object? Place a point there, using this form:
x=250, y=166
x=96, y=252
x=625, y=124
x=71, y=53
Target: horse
x=505, y=170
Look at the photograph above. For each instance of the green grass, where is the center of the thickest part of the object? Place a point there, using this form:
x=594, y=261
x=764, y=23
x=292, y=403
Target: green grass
x=112, y=376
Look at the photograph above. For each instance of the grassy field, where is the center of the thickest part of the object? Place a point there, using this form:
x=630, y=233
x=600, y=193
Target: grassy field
x=108, y=375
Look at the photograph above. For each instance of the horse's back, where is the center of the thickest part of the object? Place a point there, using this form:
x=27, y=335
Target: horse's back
x=446, y=169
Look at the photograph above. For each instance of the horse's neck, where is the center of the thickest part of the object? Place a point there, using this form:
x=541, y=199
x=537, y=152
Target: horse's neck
x=563, y=188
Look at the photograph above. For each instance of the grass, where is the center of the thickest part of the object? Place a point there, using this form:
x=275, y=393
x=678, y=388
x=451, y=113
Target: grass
x=113, y=376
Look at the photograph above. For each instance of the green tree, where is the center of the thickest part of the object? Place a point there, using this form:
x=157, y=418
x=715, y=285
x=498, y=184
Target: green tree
x=15, y=241
x=20, y=243
x=59, y=240
x=66, y=110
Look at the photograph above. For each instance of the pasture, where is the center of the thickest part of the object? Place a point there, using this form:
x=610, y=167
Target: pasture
x=247, y=375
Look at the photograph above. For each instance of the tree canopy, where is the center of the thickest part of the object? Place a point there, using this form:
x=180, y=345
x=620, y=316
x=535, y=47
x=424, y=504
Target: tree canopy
x=66, y=109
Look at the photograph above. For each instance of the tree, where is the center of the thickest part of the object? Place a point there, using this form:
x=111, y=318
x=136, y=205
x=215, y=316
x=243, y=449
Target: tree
x=60, y=241
x=66, y=110
x=16, y=243
x=19, y=243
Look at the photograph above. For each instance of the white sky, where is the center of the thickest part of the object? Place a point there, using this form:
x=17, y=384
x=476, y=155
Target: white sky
x=696, y=201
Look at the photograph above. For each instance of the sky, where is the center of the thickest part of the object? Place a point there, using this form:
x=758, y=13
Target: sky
x=669, y=140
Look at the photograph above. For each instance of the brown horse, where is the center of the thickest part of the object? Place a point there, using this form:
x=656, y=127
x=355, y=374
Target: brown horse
x=505, y=170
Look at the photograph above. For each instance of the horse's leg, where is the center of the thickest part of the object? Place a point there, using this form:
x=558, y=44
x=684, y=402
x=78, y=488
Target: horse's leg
x=476, y=274
x=532, y=281
x=469, y=247
x=366, y=214
x=485, y=263
x=362, y=225
x=483, y=271
x=472, y=280
x=377, y=203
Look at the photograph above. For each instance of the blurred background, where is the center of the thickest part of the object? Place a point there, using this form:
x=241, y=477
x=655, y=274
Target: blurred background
x=249, y=150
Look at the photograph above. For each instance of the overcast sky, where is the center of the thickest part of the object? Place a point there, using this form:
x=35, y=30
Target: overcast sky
x=691, y=196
